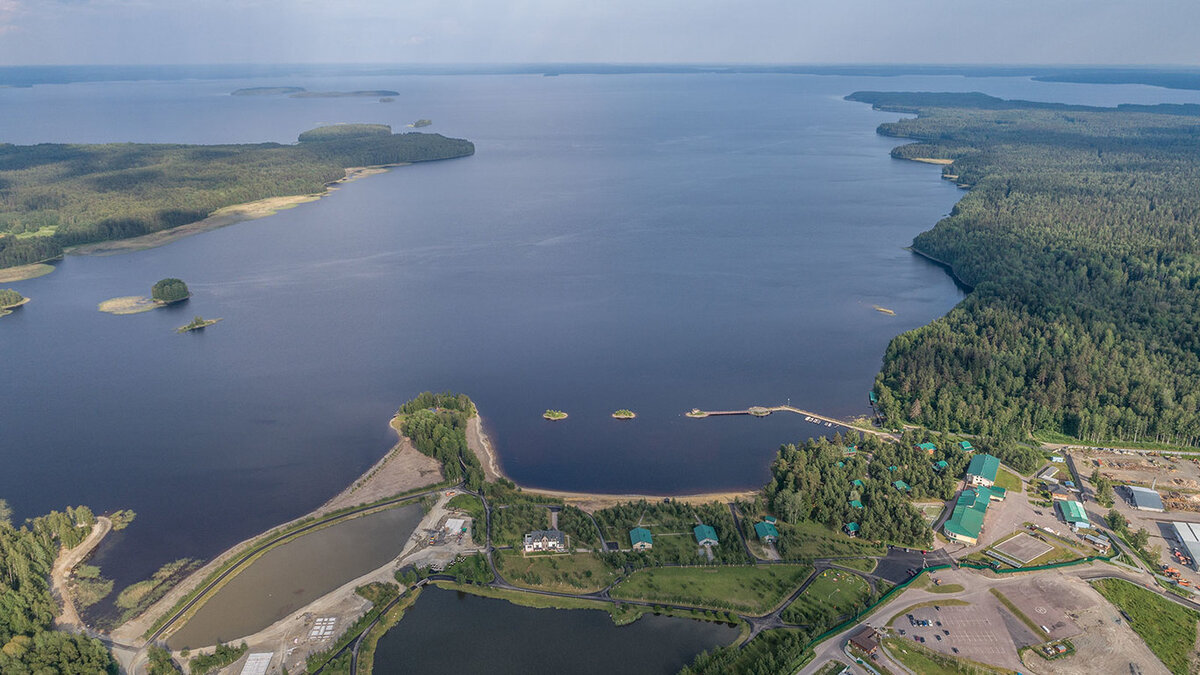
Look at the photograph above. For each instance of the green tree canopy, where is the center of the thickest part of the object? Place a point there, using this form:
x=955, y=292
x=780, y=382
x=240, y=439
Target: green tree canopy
x=170, y=290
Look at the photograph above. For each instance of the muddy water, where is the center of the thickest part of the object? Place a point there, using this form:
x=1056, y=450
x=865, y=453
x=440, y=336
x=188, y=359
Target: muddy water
x=290, y=576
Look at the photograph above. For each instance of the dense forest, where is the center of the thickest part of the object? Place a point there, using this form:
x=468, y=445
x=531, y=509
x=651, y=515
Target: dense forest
x=55, y=195
x=27, y=609
x=814, y=481
x=437, y=425
x=1081, y=238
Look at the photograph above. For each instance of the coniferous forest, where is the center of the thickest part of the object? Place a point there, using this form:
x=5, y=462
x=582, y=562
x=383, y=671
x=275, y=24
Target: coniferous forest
x=1081, y=238
x=57, y=195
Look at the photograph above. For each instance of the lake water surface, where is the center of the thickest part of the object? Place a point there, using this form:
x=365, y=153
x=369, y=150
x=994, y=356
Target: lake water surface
x=441, y=634
x=653, y=242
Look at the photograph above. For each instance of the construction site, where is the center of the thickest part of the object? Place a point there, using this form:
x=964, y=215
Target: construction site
x=1175, y=477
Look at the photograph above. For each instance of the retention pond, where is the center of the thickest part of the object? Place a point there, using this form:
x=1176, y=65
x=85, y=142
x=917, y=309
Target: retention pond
x=290, y=576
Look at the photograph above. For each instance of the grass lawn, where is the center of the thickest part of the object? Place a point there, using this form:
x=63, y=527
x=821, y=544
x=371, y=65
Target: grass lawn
x=926, y=583
x=472, y=505
x=567, y=573
x=1009, y=481
x=863, y=564
x=751, y=589
x=832, y=596
x=802, y=541
x=931, y=511
x=1168, y=629
x=928, y=662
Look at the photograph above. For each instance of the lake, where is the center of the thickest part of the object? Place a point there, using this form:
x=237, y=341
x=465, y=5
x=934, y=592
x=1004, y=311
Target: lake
x=652, y=242
x=442, y=633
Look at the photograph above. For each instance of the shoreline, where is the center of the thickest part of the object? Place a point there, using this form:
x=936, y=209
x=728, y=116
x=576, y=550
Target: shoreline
x=25, y=272
x=945, y=265
x=65, y=564
x=222, y=217
x=481, y=445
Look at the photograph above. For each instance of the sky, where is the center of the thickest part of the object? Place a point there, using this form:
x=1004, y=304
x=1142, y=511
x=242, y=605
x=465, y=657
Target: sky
x=1109, y=32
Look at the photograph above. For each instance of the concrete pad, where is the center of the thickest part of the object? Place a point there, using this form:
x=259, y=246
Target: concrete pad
x=1023, y=548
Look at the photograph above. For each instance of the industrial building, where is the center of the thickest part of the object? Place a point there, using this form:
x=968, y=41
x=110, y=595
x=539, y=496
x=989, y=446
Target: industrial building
x=1073, y=514
x=1188, y=535
x=1145, y=499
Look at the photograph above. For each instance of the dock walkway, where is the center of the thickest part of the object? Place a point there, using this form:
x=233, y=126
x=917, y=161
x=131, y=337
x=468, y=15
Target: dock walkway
x=815, y=418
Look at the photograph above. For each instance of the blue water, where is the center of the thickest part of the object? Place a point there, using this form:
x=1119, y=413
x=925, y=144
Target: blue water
x=653, y=242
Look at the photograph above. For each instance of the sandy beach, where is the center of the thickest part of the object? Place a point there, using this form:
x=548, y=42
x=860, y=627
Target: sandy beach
x=223, y=217
x=481, y=445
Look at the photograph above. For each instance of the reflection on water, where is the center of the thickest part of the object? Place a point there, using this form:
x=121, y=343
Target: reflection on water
x=451, y=632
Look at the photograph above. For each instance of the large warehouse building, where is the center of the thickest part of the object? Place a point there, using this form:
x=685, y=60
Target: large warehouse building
x=1188, y=535
x=1145, y=499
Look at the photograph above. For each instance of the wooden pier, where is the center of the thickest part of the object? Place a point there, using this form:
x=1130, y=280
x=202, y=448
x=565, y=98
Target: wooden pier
x=815, y=418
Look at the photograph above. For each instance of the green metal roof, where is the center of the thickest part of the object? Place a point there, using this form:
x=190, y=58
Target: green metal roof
x=764, y=530
x=856, y=504
x=640, y=535
x=703, y=532
x=967, y=518
x=1073, y=512
x=901, y=485
x=841, y=464
x=965, y=445
x=941, y=464
x=853, y=527
x=769, y=519
x=984, y=466
x=856, y=483
x=927, y=446
x=851, y=449
x=893, y=467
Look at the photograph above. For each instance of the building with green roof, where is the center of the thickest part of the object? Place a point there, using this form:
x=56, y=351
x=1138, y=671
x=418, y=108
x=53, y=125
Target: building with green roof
x=893, y=467
x=851, y=529
x=770, y=519
x=851, y=449
x=856, y=504
x=857, y=483
x=966, y=521
x=901, y=485
x=941, y=465
x=965, y=446
x=766, y=532
x=1073, y=514
x=705, y=535
x=982, y=470
x=641, y=539
x=927, y=447
x=841, y=464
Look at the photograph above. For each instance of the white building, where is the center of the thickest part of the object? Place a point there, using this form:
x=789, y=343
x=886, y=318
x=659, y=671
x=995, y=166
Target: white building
x=545, y=540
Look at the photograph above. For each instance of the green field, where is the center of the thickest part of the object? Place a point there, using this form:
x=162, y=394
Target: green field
x=832, y=597
x=1009, y=481
x=567, y=573
x=807, y=540
x=1168, y=629
x=750, y=589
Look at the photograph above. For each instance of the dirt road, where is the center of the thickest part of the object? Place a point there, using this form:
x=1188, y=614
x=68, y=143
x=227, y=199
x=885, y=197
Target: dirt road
x=67, y=561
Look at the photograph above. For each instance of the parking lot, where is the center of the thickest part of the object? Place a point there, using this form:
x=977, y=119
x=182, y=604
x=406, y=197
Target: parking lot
x=979, y=632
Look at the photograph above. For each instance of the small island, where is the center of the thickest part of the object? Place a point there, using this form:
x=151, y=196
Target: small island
x=554, y=415
x=166, y=292
x=267, y=91
x=884, y=310
x=624, y=414
x=198, y=323
x=420, y=123
x=697, y=413
x=10, y=300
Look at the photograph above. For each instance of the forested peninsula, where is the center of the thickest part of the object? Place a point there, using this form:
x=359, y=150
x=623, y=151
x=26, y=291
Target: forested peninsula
x=57, y=195
x=1081, y=238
